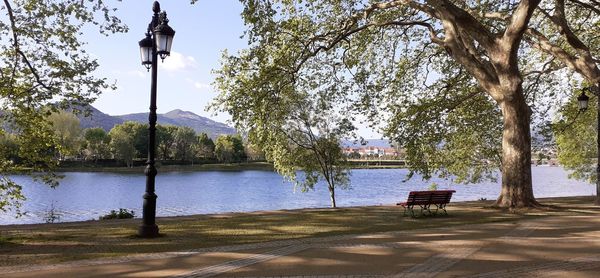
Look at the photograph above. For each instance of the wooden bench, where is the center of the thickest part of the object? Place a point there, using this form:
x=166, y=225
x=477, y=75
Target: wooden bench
x=425, y=199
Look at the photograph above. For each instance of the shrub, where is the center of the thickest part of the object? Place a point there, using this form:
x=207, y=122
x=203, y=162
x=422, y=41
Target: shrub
x=52, y=215
x=121, y=214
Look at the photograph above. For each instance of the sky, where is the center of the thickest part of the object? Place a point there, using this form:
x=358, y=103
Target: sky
x=203, y=31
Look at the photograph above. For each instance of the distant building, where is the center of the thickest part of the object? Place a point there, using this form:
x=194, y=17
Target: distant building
x=371, y=151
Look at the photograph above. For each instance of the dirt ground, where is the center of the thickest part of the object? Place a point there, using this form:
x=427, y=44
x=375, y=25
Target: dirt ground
x=562, y=243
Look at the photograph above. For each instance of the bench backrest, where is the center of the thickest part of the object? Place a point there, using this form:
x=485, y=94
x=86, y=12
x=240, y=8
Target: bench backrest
x=429, y=197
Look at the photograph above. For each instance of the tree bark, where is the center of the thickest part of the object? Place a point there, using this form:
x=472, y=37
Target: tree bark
x=332, y=196
x=517, y=190
x=597, y=93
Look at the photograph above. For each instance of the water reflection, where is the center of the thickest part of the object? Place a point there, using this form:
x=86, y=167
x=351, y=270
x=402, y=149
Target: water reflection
x=85, y=196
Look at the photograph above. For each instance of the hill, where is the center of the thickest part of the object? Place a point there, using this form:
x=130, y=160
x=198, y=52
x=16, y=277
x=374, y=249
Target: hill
x=176, y=117
x=97, y=118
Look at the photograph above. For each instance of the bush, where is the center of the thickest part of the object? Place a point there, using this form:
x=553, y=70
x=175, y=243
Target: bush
x=121, y=214
x=52, y=215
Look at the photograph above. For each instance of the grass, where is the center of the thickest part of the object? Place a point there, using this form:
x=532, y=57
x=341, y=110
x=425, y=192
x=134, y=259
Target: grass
x=54, y=243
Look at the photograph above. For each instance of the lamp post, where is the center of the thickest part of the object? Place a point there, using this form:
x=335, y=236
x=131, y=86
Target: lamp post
x=582, y=101
x=158, y=40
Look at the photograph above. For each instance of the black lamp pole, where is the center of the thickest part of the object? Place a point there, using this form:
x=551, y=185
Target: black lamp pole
x=157, y=42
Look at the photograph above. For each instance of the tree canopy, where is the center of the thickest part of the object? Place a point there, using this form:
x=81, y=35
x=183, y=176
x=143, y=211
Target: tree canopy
x=122, y=141
x=230, y=148
x=67, y=131
x=43, y=60
x=575, y=132
x=455, y=83
x=96, y=142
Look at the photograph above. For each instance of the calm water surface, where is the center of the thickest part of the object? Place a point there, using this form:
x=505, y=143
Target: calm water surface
x=88, y=195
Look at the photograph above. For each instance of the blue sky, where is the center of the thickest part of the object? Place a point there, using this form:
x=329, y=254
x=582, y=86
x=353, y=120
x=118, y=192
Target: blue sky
x=203, y=31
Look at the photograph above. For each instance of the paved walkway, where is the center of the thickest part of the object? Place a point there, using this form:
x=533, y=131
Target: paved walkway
x=558, y=246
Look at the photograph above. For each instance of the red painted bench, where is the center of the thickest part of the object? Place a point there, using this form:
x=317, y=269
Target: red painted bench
x=425, y=199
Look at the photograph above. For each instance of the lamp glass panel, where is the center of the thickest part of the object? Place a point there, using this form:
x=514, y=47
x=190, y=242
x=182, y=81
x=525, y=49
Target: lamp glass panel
x=163, y=44
x=146, y=55
x=583, y=104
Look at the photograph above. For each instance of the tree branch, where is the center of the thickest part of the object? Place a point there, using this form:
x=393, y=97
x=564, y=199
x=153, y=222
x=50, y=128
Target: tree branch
x=518, y=23
x=585, y=64
x=595, y=6
x=545, y=45
x=433, y=35
x=559, y=18
x=18, y=51
x=448, y=12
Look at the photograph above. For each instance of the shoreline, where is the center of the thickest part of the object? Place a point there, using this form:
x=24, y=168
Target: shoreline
x=210, y=167
x=174, y=168
x=475, y=203
x=261, y=166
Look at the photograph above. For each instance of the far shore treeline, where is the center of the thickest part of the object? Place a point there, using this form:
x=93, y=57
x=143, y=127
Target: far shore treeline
x=127, y=143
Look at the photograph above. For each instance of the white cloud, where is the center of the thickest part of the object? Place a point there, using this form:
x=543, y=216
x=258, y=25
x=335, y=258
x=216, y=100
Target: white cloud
x=138, y=73
x=201, y=86
x=179, y=62
x=198, y=85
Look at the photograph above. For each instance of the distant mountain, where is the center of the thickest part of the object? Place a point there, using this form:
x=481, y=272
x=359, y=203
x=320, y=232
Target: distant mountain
x=98, y=119
x=176, y=117
x=184, y=118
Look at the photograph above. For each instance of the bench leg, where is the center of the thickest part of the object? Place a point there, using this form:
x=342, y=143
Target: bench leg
x=443, y=207
x=408, y=209
x=428, y=209
x=436, y=210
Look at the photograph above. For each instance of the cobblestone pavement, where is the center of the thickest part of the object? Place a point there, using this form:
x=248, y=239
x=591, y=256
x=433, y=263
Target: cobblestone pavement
x=548, y=247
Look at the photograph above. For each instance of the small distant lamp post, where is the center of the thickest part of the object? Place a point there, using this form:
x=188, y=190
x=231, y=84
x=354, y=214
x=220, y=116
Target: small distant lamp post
x=158, y=41
x=583, y=102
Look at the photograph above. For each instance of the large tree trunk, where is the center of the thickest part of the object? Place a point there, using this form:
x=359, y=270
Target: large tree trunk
x=597, y=93
x=517, y=190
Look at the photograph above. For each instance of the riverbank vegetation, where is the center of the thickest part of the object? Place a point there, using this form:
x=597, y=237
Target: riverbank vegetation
x=126, y=145
x=54, y=243
x=139, y=167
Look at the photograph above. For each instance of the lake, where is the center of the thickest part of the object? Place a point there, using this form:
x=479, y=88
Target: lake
x=88, y=195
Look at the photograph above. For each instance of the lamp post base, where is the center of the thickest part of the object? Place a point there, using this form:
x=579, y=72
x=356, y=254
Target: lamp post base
x=148, y=231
